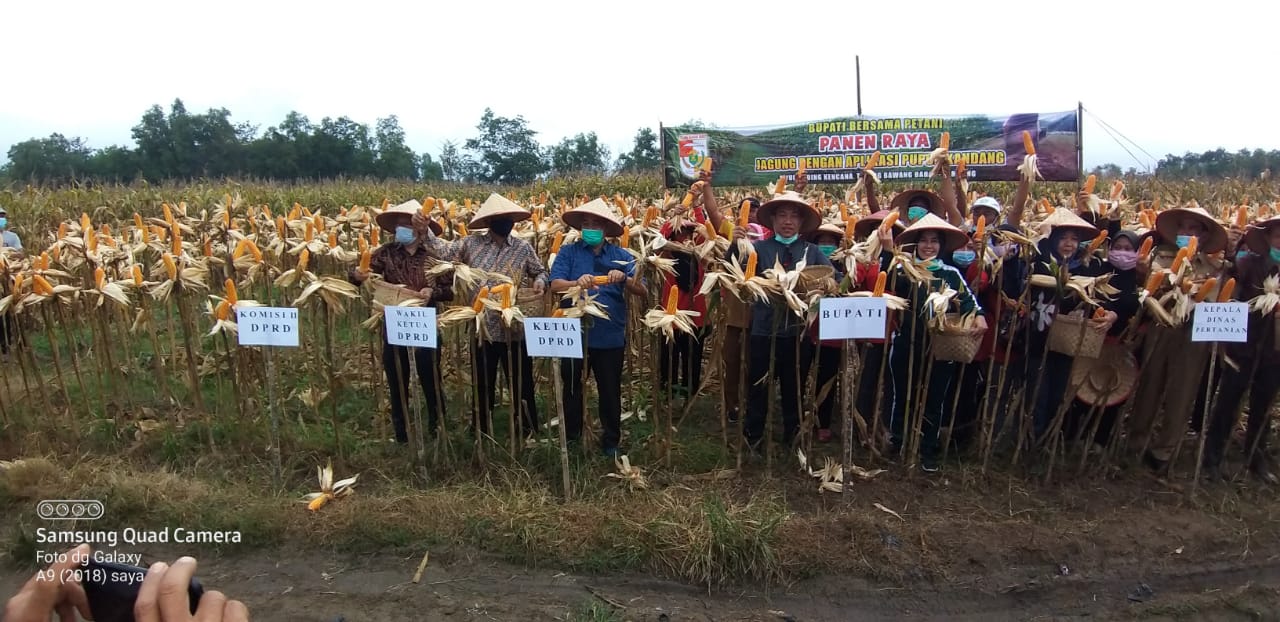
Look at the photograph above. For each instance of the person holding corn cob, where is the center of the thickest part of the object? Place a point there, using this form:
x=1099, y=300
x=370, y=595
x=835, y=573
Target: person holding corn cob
x=498, y=252
x=403, y=262
x=829, y=352
x=931, y=238
x=775, y=329
x=875, y=384
x=607, y=271
x=1063, y=253
x=680, y=361
x=1173, y=365
x=1255, y=365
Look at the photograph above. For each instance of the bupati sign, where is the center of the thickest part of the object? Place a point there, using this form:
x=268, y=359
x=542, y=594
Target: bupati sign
x=836, y=150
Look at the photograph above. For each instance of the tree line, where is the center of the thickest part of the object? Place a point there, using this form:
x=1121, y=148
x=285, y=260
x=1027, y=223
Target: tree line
x=1215, y=164
x=182, y=145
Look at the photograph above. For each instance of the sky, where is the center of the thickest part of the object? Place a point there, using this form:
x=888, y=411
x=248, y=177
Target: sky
x=1172, y=80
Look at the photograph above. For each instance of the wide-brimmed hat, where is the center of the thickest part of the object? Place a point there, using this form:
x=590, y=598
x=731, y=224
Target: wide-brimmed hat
x=829, y=227
x=902, y=199
x=811, y=216
x=1255, y=236
x=864, y=227
x=497, y=205
x=597, y=207
x=402, y=214
x=1107, y=380
x=1067, y=220
x=1215, y=237
x=952, y=236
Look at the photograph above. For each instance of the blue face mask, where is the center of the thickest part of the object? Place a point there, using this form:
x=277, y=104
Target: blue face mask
x=1275, y=254
x=1241, y=254
x=593, y=237
x=964, y=257
x=1183, y=240
x=827, y=249
x=404, y=235
x=916, y=213
x=786, y=241
x=4, y=222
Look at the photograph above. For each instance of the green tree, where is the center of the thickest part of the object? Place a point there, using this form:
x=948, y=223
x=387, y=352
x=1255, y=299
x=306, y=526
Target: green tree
x=506, y=151
x=644, y=155
x=428, y=169
x=580, y=154
x=395, y=158
x=457, y=166
x=56, y=159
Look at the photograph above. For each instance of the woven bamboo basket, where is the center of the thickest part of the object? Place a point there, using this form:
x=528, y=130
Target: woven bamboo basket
x=1073, y=336
x=952, y=343
x=389, y=295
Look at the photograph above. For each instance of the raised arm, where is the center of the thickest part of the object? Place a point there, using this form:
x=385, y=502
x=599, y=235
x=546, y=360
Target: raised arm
x=949, y=189
x=709, y=206
x=1019, y=204
x=447, y=250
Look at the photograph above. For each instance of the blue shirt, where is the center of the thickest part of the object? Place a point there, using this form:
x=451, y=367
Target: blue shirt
x=574, y=261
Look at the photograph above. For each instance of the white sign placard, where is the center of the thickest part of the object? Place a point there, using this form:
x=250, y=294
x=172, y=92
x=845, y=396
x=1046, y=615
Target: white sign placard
x=411, y=326
x=851, y=318
x=553, y=337
x=1221, y=321
x=267, y=326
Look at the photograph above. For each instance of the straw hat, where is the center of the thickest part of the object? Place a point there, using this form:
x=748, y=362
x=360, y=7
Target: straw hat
x=811, y=216
x=1256, y=236
x=497, y=205
x=952, y=236
x=574, y=217
x=401, y=215
x=1066, y=219
x=863, y=228
x=1215, y=237
x=1107, y=380
x=902, y=199
x=829, y=228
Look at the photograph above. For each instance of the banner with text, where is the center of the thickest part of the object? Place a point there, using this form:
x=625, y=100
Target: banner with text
x=836, y=150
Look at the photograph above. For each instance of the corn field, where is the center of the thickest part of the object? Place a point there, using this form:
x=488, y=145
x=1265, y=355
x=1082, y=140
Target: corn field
x=121, y=318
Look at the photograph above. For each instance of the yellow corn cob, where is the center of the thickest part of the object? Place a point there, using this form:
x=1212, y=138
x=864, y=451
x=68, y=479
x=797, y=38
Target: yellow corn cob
x=849, y=225
x=706, y=164
x=1097, y=241
x=1242, y=217
x=462, y=229
x=230, y=287
x=744, y=214
x=319, y=221
x=281, y=228
x=303, y=259
x=385, y=203
x=309, y=232
x=1192, y=247
x=137, y=221
x=43, y=261
x=208, y=247
x=1153, y=282
x=453, y=210
x=1089, y=183
x=506, y=298
x=711, y=230
x=673, y=300
x=1144, y=251
x=99, y=277
x=361, y=244
x=266, y=211
x=844, y=212
x=542, y=198
x=41, y=286
x=175, y=238
x=170, y=267
x=960, y=166
x=85, y=223
x=255, y=251
x=137, y=275
x=945, y=141
x=333, y=239
x=557, y=313
x=240, y=250
x=1205, y=288
x=625, y=241
x=781, y=186
x=1178, y=260
x=223, y=311
x=17, y=283
x=1186, y=286
x=428, y=204
x=296, y=212
x=62, y=230
x=751, y=265
x=226, y=219
x=881, y=277
x=601, y=280
x=555, y=242
x=799, y=166
x=889, y=221
x=91, y=240
x=873, y=160
x=365, y=258
x=1028, y=144
x=688, y=199
x=1228, y=288
x=57, y=254
x=1145, y=219
x=168, y=213
x=536, y=216
x=478, y=304
x=375, y=237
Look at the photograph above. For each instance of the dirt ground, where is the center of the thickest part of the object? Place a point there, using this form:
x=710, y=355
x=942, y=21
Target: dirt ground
x=287, y=585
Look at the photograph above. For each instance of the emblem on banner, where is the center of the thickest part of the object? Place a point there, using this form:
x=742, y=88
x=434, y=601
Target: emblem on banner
x=693, y=151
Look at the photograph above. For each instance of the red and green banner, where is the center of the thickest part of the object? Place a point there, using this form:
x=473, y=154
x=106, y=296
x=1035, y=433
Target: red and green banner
x=835, y=150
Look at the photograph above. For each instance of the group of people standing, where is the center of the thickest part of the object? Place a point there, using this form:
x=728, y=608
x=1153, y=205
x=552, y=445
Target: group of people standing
x=1010, y=279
